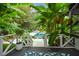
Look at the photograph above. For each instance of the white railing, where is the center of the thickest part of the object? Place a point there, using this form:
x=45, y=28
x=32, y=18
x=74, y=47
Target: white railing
x=7, y=50
x=45, y=39
x=67, y=38
x=1, y=46
x=28, y=42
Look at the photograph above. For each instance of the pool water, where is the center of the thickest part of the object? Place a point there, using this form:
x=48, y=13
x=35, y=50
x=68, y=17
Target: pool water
x=45, y=51
x=39, y=35
x=35, y=53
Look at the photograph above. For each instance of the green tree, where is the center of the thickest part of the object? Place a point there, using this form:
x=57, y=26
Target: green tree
x=51, y=19
x=9, y=18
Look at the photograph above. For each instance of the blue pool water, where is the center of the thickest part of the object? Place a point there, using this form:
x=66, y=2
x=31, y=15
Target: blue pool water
x=35, y=53
x=40, y=35
x=42, y=51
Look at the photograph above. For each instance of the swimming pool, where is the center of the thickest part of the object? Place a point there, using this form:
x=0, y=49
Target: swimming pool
x=35, y=53
x=39, y=35
x=42, y=51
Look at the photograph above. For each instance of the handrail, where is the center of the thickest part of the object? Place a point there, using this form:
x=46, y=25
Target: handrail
x=71, y=34
x=6, y=35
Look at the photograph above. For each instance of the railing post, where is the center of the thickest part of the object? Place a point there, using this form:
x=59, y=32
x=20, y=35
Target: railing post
x=1, y=46
x=77, y=43
x=61, y=40
x=45, y=41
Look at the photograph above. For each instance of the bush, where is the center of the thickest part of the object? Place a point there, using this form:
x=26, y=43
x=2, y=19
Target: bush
x=52, y=39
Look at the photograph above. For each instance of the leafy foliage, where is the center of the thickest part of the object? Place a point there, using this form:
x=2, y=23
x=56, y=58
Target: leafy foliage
x=19, y=18
x=12, y=17
x=51, y=19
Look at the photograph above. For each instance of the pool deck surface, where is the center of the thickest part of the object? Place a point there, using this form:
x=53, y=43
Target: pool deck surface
x=71, y=51
x=38, y=42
